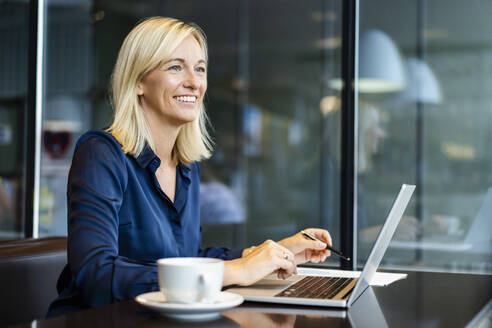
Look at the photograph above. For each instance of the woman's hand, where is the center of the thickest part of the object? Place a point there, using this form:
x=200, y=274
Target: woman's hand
x=308, y=250
x=258, y=262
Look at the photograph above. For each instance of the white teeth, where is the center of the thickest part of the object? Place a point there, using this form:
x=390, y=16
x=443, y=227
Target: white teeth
x=190, y=99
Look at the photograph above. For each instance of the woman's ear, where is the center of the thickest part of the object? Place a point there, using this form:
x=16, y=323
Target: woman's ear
x=139, y=89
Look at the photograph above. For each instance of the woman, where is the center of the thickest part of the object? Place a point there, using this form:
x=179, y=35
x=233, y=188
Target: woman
x=133, y=190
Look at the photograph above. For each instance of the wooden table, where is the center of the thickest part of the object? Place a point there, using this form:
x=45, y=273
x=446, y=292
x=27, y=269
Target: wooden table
x=424, y=299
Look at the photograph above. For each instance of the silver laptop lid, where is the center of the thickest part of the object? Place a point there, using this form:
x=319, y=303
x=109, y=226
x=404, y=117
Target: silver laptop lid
x=382, y=241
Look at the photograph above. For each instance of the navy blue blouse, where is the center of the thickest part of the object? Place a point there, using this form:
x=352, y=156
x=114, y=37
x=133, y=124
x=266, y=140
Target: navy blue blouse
x=120, y=222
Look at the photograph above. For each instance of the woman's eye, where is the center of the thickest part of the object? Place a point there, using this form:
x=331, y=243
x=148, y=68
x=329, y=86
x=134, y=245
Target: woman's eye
x=200, y=69
x=176, y=68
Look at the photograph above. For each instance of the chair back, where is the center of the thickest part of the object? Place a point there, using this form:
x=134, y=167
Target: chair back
x=29, y=269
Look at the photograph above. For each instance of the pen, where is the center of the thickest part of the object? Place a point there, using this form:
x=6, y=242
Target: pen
x=337, y=252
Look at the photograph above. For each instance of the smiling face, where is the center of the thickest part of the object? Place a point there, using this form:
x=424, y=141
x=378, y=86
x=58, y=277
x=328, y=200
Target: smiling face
x=173, y=93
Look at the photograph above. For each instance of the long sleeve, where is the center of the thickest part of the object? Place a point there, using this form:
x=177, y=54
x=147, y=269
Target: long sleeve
x=97, y=181
x=223, y=253
x=120, y=222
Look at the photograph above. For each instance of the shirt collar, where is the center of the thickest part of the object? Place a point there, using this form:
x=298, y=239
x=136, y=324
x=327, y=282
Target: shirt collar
x=185, y=171
x=146, y=156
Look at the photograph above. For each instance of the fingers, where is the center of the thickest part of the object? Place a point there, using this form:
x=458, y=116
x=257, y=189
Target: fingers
x=319, y=253
x=315, y=244
x=320, y=234
x=308, y=254
x=295, y=250
x=316, y=256
x=264, y=259
x=280, y=257
x=319, y=256
x=286, y=262
x=281, y=274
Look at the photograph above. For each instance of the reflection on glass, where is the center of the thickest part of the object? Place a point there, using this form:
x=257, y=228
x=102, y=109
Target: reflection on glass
x=435, y=136
x=14, y=39
x=366, y=312
x=285, y=316
x=285, y=137
x=380, y=66
x=422, y=84
x=69, y=76
x=276, y=116
x=250, y=319
x=265, y=83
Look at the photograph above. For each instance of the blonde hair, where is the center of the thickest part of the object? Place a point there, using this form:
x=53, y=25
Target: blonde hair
x=147, y=47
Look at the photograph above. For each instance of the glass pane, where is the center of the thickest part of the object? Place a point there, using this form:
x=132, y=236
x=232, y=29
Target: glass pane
x=273, y=152
x=69, y=78
x=275, y=120
x=14, y=40
x=431, y=130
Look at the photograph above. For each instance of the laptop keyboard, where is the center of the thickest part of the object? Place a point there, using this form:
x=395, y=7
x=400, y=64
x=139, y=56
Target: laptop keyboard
x=316, y=287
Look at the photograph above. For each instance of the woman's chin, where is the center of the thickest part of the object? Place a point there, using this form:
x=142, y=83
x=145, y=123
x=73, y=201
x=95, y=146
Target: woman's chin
x=185, y=119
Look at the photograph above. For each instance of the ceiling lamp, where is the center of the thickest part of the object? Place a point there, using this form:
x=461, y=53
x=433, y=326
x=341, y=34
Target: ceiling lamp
x=381, y=68
x=422, y=83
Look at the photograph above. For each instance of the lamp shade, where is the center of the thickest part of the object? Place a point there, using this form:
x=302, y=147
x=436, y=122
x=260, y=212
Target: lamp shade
x=381, y=68
x=422, y=83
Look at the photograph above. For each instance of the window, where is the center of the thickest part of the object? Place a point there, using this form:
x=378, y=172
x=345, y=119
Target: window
x=274, y=100
x=430, y=129
x=14, y=44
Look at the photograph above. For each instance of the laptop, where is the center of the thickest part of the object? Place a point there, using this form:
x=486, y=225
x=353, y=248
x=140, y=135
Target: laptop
x=477, y=238
x=322, y=290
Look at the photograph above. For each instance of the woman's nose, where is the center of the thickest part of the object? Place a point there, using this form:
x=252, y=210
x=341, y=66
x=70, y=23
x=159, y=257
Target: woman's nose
x=191, y=81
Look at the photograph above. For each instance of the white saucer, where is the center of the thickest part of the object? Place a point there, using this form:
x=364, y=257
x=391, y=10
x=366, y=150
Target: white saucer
x=196, y=311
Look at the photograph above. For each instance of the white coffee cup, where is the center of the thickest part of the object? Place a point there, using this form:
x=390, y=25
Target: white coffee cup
x=190, y=279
